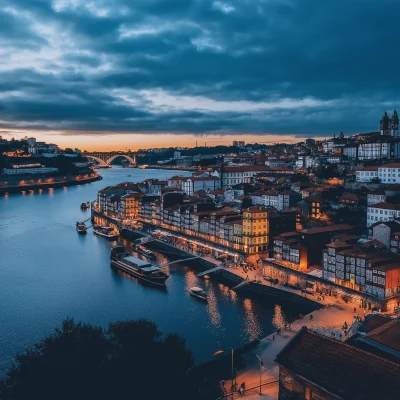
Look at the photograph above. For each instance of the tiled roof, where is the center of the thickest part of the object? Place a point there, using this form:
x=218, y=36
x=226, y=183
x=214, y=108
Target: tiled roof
x=390, y=224
x=179, y=178
x=372, y=168
x=256, y=209
x=348, y=197
x=329, y=228
x=246, y=168
x=392, y=165
x=343, y=370
x=205, y=178
x=315, y=198
x=386, y=206
x=373, y=321
x=387, y=335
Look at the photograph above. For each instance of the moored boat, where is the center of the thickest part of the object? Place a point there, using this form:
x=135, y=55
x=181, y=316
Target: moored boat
x=105, y=232
x=198, y=293
x=81, y=228
x=85, y=205
x=136, y=267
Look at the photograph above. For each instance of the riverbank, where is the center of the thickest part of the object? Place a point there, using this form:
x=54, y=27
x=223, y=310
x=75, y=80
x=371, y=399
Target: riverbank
x=233, y=277
x=169, y=167
x=71, y=181
x=326, y=321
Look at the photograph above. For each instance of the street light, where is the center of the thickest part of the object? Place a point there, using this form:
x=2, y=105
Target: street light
x=261, y=365
x=224, y=351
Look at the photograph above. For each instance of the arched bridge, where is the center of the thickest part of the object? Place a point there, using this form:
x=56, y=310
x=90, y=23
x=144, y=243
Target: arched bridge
x=107, y=158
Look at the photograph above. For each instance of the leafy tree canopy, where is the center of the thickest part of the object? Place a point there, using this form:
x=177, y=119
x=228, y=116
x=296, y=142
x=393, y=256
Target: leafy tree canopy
x=129, y=360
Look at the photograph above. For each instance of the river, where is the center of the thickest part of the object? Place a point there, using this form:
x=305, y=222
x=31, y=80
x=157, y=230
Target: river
x=48, y=272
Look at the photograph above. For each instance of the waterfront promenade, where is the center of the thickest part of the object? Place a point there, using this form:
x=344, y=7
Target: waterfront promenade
x=327, y=321
x=28, y=183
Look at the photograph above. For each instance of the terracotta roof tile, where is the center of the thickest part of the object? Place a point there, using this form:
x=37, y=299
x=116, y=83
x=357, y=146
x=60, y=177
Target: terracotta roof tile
x=343, y=370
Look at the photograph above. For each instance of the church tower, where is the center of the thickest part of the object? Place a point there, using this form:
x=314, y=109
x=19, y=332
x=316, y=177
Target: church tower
x=385, y=130
x=394, y=124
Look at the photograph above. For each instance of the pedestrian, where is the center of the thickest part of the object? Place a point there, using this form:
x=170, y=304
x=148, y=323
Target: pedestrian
x=355, y=310
x=340, y=335
x=311, y=317
x=273, y=337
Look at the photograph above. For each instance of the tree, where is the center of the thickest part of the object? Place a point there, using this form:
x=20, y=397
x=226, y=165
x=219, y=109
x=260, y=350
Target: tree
x=130, y=359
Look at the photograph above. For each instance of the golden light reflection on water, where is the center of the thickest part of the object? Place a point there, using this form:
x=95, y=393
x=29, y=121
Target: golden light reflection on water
x=252, y=324
x=227, y=293
x=190, y=279
x=212, y=303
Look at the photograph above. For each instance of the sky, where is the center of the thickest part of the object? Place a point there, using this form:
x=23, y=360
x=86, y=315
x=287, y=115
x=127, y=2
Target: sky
x=117, y=74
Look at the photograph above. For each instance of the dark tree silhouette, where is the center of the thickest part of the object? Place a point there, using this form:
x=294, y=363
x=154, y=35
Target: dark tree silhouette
x=129, y=360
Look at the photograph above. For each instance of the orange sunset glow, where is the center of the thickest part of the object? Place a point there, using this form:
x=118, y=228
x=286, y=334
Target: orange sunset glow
x=135, y=141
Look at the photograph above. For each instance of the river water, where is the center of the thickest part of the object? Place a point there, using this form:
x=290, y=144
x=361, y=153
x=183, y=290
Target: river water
x=48, y=272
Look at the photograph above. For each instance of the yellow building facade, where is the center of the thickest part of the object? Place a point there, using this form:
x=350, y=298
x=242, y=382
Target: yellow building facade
x=255, y=230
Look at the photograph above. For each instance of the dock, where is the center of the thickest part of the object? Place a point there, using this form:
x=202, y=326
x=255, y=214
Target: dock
x=209, y=271
x=241, y=284
x=178, y=261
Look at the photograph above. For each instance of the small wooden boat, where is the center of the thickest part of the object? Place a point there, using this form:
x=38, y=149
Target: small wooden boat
x=85, y=205
x=81, y=228
x=198, y=292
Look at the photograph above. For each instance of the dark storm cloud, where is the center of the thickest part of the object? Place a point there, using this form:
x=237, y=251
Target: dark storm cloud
x=252, y=66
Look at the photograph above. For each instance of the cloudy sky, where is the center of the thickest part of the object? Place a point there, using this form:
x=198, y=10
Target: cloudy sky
x=100, y=73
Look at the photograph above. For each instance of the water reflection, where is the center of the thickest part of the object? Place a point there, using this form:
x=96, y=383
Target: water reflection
x=212, y=307
x=279, y=320
x=252, y=326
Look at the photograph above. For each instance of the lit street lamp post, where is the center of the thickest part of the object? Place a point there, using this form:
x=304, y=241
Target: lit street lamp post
x=261, y=365
x=223, y=351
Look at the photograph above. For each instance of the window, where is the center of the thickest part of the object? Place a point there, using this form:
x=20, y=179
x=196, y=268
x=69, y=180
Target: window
x=288, y=382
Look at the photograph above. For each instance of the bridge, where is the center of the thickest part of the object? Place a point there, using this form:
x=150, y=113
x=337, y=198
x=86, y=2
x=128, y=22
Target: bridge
x=105, y=159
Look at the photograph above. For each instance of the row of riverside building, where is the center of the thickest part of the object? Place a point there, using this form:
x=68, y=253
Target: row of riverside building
x=279, y=203
x=336, y=252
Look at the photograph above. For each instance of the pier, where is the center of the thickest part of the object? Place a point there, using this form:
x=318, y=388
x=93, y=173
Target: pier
x=209, y=271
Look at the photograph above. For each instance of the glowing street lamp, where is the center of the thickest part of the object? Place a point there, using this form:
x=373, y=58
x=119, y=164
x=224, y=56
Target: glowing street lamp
x=261, y=365
x=224, y=351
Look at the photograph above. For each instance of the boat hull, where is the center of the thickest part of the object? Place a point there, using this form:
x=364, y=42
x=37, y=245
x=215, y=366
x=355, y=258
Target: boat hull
x=199, y=297
x=103, y=235
x=160, y=282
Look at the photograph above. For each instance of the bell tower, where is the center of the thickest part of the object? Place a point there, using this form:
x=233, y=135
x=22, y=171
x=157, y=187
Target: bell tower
x=394, y=124
x=385, y=130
